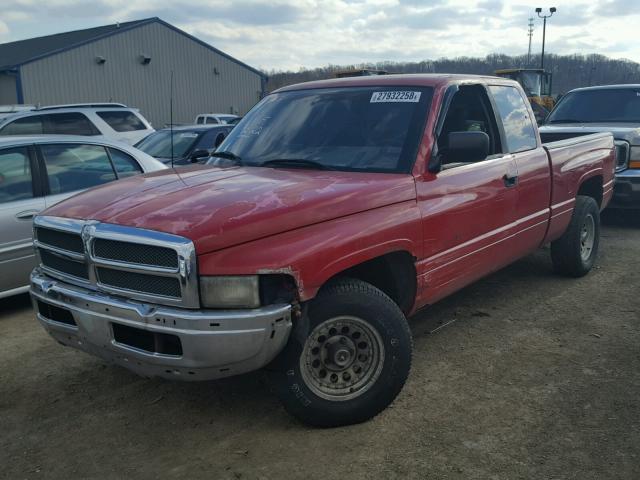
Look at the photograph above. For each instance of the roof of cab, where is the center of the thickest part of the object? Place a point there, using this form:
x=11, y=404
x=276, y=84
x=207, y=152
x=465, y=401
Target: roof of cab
x=415, y=80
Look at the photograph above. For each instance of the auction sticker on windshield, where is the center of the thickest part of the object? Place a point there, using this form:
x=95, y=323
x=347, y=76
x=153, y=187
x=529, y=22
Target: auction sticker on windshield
x=395, y=96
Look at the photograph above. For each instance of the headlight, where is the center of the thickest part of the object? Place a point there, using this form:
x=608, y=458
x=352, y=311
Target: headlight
x=634, y=157
x=230, y=291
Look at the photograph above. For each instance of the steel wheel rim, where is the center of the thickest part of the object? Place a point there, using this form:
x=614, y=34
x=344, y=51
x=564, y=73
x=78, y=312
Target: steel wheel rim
x=587, y=237
x=342, y=358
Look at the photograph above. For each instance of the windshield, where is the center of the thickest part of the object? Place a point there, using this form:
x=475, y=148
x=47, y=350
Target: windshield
x=598, y=106
x=531, y=83
x=355, y=129
x=158, y=144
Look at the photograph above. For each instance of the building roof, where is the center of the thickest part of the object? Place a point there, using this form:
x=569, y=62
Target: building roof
x=14, y=54
x=24, y=51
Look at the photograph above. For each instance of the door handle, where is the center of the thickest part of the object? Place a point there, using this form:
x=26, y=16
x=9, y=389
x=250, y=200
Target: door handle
x=26, y=215
x=510, y=180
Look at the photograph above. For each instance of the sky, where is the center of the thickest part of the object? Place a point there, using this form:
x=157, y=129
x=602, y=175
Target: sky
x=292, y=34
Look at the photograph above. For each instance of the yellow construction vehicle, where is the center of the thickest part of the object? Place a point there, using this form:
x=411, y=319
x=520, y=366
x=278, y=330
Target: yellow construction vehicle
x=536, y=83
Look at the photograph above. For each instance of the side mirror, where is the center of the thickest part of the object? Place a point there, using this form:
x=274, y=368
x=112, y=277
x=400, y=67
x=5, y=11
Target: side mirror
x=198, y=155
x=467, y=147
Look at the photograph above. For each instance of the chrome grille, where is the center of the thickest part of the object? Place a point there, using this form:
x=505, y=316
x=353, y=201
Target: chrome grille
x=136, y=263
x=139, y=282
x=135, y=253
x=622, y=154
x=63, y=240
x=64, y=265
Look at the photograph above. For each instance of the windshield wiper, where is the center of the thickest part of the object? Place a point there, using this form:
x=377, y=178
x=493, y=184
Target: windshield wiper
x=228, y=156
x=293, y=162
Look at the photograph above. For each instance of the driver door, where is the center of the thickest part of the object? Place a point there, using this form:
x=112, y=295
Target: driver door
x=467, y=208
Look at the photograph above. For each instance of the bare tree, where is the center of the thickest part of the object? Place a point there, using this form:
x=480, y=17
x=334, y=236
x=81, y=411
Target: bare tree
x=569, y=71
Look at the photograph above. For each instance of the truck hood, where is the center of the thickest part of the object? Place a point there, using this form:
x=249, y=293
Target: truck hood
x=218, y=208
x=621, y=131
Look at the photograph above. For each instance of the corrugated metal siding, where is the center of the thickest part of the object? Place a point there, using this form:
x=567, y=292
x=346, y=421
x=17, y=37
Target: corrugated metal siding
x=8, y=95
x=74, y=76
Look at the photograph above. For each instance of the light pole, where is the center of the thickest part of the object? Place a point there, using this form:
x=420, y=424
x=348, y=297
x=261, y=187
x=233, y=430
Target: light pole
x=530, y=33
x=552, y=10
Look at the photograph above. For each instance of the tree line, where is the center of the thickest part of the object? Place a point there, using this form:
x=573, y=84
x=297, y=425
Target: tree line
x=569, y=71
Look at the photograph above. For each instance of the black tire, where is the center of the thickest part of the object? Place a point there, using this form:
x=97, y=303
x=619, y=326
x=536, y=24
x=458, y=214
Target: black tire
x=568, y=253
x=374, y=316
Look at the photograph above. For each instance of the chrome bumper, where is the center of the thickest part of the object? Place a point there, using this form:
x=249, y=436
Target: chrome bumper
x=213, y=343
x=626, y=193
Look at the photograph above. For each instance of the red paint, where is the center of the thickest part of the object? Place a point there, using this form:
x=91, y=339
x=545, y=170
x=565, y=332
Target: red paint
x=459, y=224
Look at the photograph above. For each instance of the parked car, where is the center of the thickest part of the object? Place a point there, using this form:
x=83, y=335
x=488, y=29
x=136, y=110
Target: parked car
x=191, y=144
x=113, y=121
x=38, y=172
x=214, y=118
x=611, y=108
x=346, y=206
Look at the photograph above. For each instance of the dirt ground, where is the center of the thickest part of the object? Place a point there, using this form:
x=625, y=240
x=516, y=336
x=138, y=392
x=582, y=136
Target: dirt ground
x=532, y=376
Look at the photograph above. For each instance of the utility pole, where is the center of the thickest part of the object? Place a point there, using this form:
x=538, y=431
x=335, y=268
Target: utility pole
x=552, y=10
x=530, y=36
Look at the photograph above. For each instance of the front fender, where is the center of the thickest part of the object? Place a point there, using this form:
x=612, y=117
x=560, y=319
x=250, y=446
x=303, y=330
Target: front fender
x=314, y=254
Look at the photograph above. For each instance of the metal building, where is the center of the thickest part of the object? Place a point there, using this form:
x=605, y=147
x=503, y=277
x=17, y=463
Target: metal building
x=130, y=63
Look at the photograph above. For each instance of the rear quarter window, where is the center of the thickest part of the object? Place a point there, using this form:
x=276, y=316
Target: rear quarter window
x=518, y=127
x=124, y=164
x=122, y=121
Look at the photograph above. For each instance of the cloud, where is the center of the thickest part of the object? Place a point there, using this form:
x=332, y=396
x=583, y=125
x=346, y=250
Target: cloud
x=4, y=30
x=289, y=34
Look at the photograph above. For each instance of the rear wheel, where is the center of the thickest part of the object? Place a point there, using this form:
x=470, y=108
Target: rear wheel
x=347, y=360
x=575, y=252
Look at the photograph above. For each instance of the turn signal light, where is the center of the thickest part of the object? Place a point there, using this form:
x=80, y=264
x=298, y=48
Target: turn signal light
x=634, y=164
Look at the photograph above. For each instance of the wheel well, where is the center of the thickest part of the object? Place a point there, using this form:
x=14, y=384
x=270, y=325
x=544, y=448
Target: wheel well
x=393, y=273
x=592, y=187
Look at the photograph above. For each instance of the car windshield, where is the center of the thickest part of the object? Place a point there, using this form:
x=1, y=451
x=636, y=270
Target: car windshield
x=531, y=83
x=158, y=144
x=598, y=106
x=354, y=129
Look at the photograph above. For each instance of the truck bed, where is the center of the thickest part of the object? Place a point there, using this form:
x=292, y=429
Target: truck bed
x=572, y=160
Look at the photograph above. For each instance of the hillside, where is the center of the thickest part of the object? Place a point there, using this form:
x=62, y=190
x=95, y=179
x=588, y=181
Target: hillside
x=569, y=71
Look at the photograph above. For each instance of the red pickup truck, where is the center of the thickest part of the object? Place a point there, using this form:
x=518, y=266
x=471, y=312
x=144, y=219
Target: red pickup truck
x=331, y=213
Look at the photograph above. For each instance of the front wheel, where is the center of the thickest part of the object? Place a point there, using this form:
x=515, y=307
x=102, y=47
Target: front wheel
x=575, y=252
x=347, y=359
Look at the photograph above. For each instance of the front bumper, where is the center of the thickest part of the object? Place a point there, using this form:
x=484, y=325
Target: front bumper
x=626, y=193
x=159, y=341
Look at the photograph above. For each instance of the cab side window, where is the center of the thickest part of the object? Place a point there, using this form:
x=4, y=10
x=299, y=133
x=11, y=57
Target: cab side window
x=469, y=111
x=518, y=127
x=15, y=175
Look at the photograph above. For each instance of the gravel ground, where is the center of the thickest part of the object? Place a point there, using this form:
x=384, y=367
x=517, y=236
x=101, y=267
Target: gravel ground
x=531, y=376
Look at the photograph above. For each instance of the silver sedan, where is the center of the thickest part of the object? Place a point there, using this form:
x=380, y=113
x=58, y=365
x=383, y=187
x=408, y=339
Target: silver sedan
x=37, y=172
